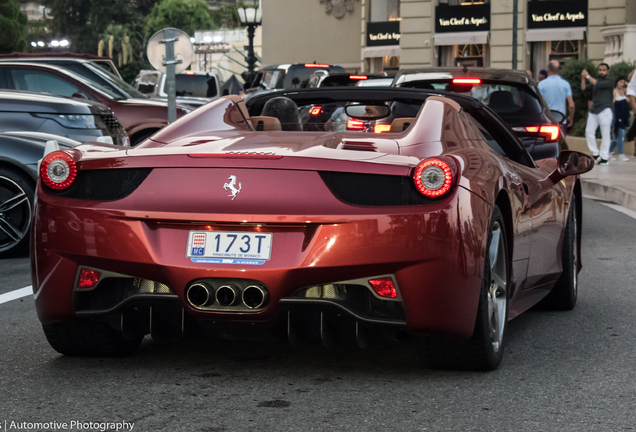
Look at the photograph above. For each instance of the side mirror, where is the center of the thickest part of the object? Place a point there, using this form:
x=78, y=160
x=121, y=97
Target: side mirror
x=571, y=163
x=79, y=95
x=558, y=116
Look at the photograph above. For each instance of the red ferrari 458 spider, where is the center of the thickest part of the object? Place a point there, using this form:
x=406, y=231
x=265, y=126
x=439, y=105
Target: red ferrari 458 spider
x=334, y=215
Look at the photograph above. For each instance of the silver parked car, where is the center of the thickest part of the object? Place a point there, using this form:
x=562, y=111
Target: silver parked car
x=193, y=88
x=27, y=122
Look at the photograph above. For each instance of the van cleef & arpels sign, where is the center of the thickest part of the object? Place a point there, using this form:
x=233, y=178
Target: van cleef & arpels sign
x=557, y=14
x=383, y=33
x=450, y=19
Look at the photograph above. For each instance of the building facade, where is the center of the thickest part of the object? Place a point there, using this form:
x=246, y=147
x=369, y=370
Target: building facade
x=409, y=34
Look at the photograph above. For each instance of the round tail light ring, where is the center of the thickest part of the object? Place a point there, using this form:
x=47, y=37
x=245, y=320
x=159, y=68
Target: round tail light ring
x=433, y=178
x=58, y=170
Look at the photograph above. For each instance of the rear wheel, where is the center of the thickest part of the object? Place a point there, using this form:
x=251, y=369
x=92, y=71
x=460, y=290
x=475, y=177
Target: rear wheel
x=89, y=339
x=16, y=198
x=484, y=350
x=565, y=292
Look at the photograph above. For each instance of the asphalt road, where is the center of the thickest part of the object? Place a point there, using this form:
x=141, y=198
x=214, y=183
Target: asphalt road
x=569, y=371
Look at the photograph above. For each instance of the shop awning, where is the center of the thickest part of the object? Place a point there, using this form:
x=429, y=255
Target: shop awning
x=555, y=34
x=381, y=51
x=461, y=38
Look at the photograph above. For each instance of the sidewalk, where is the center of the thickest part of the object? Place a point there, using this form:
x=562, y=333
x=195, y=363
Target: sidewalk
x=615, y=182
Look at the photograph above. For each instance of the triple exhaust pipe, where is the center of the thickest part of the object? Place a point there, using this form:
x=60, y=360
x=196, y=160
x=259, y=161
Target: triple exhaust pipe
x=202, y=295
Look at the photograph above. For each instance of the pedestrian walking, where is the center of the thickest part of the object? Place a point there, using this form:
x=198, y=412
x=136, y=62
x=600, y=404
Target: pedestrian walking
x=631, y=99
x=542, y=75
x=600, y=114
x=556, y=91
x=621, y=119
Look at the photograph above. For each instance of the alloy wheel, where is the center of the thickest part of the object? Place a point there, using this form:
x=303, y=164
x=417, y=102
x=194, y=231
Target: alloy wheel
x=15, y=213
x=497, y=291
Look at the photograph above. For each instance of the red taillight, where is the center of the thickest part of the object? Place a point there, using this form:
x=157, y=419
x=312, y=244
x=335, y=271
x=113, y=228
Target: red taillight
x=88, y=278
x=190, y=73
x=58, y=170
x=382, y=128
x=384, y=287
x=466, y=81
x=358, y=77
x=316, y=65
x=355, y=125
x=433, y=178
x=316, y=110
x=551, y=132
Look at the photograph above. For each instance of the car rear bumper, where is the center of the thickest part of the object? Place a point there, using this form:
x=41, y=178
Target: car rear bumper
x=434, y=253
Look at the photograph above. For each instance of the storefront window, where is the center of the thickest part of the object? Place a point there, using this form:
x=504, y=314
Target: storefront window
x=384, y=10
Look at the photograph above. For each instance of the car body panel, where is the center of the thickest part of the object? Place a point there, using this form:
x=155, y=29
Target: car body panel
x=434, y=248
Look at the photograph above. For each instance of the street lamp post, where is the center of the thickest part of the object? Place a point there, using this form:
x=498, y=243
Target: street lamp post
x=251, y=18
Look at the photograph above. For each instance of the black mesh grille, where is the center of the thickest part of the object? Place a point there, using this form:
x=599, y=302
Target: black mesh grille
x=113, y=290
x=104, y=185
x=373, y=190
x=356, y=298
x=111, y=121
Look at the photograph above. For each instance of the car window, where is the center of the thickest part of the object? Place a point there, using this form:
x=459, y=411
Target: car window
x=271, y=78
x=115, y=82
x=196, y=85
x=300, y=77
x=41, y=82
x=147, y=83
x=508, y=100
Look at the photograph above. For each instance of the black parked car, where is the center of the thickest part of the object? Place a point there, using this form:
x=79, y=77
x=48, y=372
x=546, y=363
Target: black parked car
x=514, y=95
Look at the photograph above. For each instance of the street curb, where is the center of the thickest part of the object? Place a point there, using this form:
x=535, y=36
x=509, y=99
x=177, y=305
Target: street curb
x=609, y=193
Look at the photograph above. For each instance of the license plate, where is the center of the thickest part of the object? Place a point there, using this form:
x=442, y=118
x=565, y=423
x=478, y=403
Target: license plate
x=224, y=247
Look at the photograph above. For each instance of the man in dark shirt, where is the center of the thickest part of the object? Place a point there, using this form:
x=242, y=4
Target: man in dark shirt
x=600, y=113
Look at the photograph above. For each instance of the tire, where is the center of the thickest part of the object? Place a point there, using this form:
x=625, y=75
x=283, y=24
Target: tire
x=565, y=292
x=484, y=350
x=16, y=211
x=89, y=339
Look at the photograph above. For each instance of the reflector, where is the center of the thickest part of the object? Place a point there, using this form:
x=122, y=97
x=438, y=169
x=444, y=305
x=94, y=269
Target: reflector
x=384, y=287
x=88, y=278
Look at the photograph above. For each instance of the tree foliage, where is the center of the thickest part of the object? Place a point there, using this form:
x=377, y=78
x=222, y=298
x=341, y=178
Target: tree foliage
x=83, y=21
x=186, y=15
x=12, y=27
x=229, y=14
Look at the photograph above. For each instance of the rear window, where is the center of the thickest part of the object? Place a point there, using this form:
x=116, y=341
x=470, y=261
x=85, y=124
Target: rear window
x=507, y=100
x=196, y=85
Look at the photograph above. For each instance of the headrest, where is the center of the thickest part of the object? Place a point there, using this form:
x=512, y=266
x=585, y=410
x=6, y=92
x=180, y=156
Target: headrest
x=264, y=123
x=399, y=125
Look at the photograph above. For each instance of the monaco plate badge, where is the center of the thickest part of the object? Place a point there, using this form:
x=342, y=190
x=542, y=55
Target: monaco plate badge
x=231, y=186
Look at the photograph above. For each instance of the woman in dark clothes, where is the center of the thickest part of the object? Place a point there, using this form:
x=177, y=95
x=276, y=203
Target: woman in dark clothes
x=621, y=119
